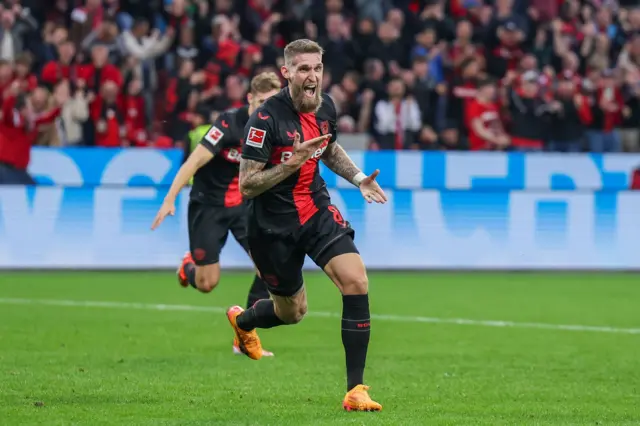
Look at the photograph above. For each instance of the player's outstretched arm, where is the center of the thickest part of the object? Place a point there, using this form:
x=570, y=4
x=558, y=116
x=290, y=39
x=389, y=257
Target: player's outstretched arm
x=198, y=158
x=338, y=161
x=254, y=180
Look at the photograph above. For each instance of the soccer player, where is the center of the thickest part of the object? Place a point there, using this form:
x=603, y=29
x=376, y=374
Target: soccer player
x=291, y=215
x=216, y=205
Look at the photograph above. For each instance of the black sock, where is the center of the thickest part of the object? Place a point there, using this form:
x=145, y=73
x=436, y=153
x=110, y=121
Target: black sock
x=356, y=329
x=260, y=315
x=258, y=291
x=190, y=271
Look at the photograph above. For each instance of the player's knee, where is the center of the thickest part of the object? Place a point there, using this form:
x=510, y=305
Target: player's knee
x=355, y=284
x=206, y=283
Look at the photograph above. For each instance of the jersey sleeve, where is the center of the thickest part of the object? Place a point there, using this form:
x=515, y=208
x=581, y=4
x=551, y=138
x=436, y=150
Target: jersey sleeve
x=218, y=136
x=259, y=136
x=333, y=117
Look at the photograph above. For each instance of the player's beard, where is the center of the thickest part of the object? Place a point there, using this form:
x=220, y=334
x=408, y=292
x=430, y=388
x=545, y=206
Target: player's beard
x=303, y=103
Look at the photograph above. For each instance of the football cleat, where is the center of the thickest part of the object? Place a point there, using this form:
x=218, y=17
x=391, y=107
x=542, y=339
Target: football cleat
x=358, y=399
x=248, y=341
x=237, y=351
x=182, y=275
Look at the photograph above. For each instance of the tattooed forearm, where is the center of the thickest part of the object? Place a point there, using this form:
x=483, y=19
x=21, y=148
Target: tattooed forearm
x=254, y=180
x=336, y=159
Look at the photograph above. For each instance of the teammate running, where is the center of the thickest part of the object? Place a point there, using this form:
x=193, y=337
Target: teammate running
x=216, y=205
x=291, y=215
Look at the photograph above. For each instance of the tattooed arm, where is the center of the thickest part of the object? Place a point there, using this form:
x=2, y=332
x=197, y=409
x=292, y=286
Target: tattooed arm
x=338, y=161
x=254, y=180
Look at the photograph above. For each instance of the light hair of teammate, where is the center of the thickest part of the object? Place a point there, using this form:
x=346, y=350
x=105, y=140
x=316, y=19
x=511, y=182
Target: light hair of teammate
x=265, y=82
x=299, y=47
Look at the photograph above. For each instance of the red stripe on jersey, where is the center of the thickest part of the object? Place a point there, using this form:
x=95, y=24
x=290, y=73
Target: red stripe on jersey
x=233, y=197
x=302, y=195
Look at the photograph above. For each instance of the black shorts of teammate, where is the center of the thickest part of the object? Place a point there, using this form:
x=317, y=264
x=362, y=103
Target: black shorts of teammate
x=280, y=258
x=209, y=227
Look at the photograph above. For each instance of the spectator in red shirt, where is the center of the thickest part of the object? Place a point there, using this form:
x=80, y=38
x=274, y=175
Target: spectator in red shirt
x=108, y=117
x=608, y=106
x=461, y=48
x=483, y=119
x=27, y=81
x=133, y=107
x=18, y=130
x=506, y=56
x=62, y=69
x=462, y=90
x=100, y=70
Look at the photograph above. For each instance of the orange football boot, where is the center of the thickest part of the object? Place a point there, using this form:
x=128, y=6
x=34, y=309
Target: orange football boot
x=237, y=351
x=248, y=341
x=182, y=275
x=358, y=399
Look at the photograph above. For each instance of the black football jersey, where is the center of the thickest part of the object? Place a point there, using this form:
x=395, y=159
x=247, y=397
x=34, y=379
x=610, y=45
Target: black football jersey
x=269, y=136
x=216, y=183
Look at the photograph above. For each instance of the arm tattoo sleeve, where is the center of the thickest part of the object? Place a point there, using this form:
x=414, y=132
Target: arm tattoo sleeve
x=254, y=180
x=336, y=159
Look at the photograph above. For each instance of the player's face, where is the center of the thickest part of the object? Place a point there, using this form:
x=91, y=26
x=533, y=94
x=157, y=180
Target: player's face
x=257, y=99
x=305, y=81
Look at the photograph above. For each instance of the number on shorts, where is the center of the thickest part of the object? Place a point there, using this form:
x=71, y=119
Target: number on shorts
x=337, y=216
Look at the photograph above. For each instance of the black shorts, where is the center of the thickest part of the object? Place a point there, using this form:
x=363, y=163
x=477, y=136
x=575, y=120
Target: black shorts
x=280, y=258
x=209, y=227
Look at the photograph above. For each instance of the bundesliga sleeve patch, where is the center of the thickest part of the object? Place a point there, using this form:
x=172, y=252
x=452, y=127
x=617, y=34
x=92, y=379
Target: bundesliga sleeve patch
x=256, y=137
x=214, y=135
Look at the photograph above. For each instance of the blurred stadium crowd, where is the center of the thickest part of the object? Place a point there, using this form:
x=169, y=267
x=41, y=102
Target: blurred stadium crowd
x=560, y=75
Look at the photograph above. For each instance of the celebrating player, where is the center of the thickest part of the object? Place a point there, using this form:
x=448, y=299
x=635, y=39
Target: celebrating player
x=291, y=215
x=216, y=205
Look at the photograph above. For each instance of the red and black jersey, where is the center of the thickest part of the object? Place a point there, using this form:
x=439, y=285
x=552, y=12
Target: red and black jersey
x=216, y=183
x=269, y=136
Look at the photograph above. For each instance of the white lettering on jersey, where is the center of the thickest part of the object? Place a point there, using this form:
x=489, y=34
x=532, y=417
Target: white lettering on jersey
x=234, y=155
x=287, y=154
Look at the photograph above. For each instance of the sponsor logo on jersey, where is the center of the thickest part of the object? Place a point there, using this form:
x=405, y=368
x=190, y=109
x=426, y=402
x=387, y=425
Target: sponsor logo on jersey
x=233, y=155
x=287, y=154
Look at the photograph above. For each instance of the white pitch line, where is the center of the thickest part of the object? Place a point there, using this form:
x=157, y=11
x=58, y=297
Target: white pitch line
x=381, y=317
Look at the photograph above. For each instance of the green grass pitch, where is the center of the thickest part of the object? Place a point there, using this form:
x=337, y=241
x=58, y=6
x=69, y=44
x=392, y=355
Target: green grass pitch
x=131, y=362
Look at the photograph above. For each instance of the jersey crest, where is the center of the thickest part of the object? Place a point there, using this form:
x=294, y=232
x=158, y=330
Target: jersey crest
x=324, y=127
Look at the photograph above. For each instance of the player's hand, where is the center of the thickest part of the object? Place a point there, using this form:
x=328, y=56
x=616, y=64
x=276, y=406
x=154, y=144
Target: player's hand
x=167, y=209
x=302, y=151
x=370, y=189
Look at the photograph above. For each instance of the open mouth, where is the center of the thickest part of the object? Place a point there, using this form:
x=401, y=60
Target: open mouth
x=310, y=90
